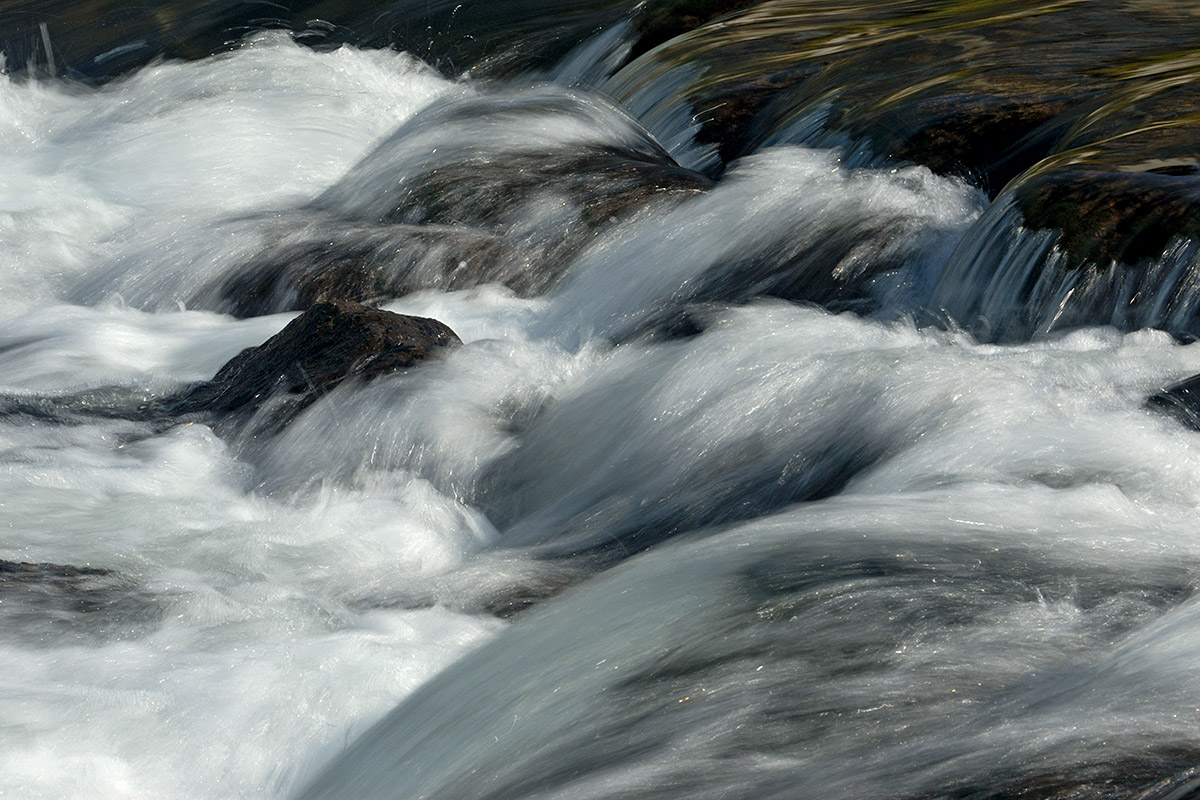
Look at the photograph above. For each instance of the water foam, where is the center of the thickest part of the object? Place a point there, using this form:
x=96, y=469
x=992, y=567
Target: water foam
x=177, y=145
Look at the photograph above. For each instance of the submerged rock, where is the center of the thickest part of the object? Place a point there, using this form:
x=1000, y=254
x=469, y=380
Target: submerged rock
x=368, y=264
x=79, y=601
x=492, y=161
x=1181, y=401
x=332, y=342
x=23, y=572
x=77, y=408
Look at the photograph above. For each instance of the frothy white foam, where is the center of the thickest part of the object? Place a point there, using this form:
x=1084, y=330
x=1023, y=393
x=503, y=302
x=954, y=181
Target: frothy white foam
x=177, y=145
x=60, y=347
x=243, y=632
x=907, y=217
x=234, y=633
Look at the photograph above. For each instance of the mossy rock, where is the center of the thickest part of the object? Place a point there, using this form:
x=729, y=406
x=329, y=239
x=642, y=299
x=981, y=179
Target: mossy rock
x=1107, y=217
x=979, y=90
x=1126, y=180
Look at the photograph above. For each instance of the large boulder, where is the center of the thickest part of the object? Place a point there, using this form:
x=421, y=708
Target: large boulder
x=331, y=343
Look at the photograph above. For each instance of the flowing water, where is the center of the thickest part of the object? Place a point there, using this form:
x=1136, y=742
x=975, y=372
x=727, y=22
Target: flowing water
x=653, y=531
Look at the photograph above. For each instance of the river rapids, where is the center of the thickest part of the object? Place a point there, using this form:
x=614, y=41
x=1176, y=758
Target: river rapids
x=771, y=472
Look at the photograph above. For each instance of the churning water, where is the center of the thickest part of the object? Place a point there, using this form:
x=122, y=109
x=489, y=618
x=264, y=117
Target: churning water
x=773, y=550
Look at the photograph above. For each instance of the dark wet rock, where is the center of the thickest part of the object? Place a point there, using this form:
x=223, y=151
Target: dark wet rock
x=493, y=39
x=507, y=37
x=1104, y=231
x=1126, y=181
x=1089, y=138
x=1181, y=401
x=1009, y=283
x=733, y=118
x=982, y=138
x=97, y=40
x=333, y=342
x=979, y=91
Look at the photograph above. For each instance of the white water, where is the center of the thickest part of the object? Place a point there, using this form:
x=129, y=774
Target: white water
x=276, y=599
x=1010, y=282
x=247, y=653
x=148, y=164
